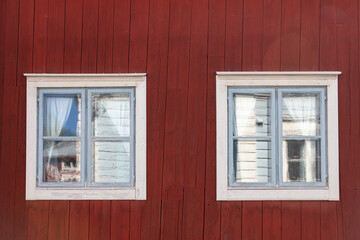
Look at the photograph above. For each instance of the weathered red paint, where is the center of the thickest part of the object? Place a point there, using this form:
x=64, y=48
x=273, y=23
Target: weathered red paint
x=180, y=44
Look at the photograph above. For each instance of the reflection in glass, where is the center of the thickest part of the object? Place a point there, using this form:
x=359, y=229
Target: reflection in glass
x=252, y=159
x=111, y=114
x=252, y=114
x=62, y=115
x=61, y=161
x=111, y=162
x=301, y=114
x=301, y=161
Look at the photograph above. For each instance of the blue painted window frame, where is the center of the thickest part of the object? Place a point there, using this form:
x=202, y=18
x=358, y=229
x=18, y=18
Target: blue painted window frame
x=130, y=139
x=85, y=138
x=231, y=138
x=276, y=136
x=58, y=92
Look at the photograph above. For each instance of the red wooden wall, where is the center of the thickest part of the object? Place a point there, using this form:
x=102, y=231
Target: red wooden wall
x=179, y=44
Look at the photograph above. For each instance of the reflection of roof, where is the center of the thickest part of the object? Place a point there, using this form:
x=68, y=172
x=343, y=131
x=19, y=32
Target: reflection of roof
x=62, y=149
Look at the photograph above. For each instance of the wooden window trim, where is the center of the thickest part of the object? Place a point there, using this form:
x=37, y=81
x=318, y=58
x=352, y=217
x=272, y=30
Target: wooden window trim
x=329, y=80
x=38, y=81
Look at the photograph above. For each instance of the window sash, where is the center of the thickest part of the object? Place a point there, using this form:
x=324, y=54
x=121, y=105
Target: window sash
x=41, y=138
x=322, y=137
x=231, y=138
x=276, y=137
x=130, y=139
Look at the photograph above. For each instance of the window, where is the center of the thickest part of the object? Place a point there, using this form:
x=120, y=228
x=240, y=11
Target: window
x=277, y=136
x=91, y=133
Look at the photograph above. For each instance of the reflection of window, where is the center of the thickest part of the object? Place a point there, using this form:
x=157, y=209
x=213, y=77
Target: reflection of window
x=278, y=145
x=86, y=137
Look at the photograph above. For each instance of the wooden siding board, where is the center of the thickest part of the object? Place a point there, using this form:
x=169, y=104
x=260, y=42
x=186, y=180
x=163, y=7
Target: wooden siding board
x=231, y=221
x=120, y=215
x=271, y=220
x=121, y=36
x=38, y=220
x=157, y=58
x=25, y=59
x=99, y=226
x=175, y=122
x=343, y=64
x=216, y=58
x=234, y=35
x=8, y=124
x=193, y=212
x=79, y=220
x=58, y=220
x=89, y=36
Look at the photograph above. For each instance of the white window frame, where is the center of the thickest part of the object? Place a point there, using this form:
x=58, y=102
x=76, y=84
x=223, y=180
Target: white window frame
x=37, y=81
x=328, y=80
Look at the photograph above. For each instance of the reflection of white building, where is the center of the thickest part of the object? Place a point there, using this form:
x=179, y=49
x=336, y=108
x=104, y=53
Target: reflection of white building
x=252, y=119
x=111, y=159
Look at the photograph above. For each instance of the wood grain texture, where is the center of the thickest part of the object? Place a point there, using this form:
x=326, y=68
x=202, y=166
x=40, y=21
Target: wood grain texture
x=180, y=45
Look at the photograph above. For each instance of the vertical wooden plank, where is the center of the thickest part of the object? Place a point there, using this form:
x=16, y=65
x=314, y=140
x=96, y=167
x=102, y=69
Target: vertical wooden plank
x=252, y=61
x=38, y=220
x=271, y=35
x=175, y=123
x=25, y=57
x=79, y=220
x=311, y=220
x=309, y=61
x=353, y=11
x=156, y=83
x=231, y=220
x=138, y=35
x=271, y=220
x=120, y=215
x=252, y=35
x=99, y=220
x=291, y=220
x=216, y=58
x=58, y=220
x=89, y=36
x=271, y=227
x=121, y=35
x=234, y=35
x=193, y=212
x=2, y=58
x=9, y=120
x=290, y=35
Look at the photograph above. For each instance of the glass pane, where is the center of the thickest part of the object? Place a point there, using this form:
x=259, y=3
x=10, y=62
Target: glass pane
x=301, y=161
x=252, y=114
x=62, y=115
x=301, y=114
x=252, y=159
x=111, y=114
x=61, y=161
x=111, y=162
